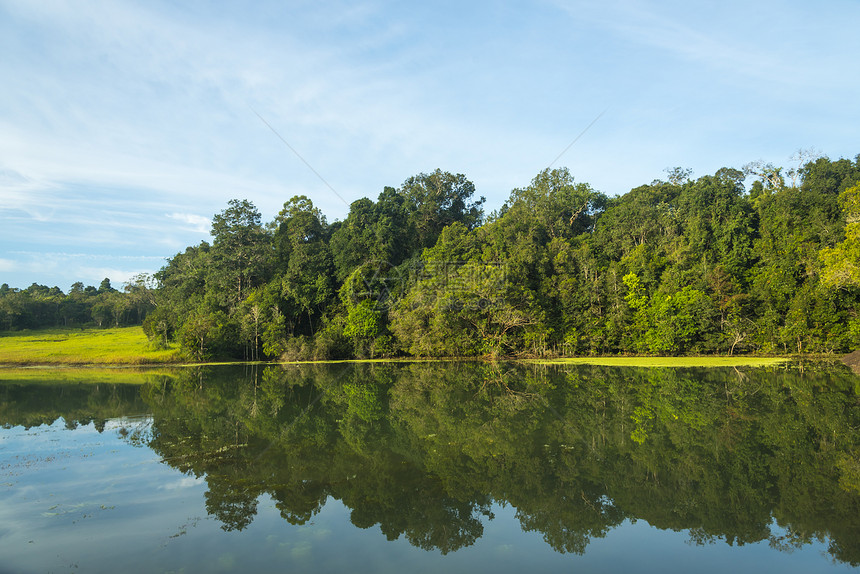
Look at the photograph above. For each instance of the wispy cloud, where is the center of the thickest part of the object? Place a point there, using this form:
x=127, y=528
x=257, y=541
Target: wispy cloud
x=764, y=46
x=7, y=265
x=195, y=222
x=63, y=255
x=663, y=26
x=125, y=124
x=63, y=269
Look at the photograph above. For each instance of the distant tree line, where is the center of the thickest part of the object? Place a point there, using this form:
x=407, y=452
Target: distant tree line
x=681, y=266
x=40, y=306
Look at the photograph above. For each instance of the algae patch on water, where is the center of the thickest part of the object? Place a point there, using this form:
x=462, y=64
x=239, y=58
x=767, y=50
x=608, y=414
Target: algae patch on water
x=666, y=361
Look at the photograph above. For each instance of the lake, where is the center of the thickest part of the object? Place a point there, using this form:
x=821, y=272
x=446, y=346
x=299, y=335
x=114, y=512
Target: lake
x=424, y=467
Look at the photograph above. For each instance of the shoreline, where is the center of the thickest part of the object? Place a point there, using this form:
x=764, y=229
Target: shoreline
x=686, y=361
x=128, y=348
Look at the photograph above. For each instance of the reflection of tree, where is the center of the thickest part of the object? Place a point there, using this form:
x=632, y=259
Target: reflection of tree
x=405, y=500
x=572, y=521
x=30, y=405
x=423, y=450
x=230, y=500
x=299, y=502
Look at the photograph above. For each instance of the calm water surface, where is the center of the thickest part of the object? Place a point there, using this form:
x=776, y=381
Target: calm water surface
x=429, y=467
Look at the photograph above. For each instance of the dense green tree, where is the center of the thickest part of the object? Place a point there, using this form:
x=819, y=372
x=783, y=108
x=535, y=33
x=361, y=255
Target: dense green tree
x=717, y=268
x=378, y=233
x=438, y=199
x=306, y=279
x=842, y=261
x=241, y=255
x=40, y=306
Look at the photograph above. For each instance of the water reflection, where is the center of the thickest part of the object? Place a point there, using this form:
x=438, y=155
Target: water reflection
x=424, y=451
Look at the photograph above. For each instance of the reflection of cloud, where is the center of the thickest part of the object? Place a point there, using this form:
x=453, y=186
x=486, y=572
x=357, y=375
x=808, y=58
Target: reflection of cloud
x=184, y=482
x=197, y=222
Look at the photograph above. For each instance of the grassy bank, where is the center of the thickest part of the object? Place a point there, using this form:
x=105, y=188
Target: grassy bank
x=129, y=346
x=119, y=346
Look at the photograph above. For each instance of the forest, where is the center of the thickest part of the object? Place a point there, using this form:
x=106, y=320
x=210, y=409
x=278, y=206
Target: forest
x=40, y=306
x=674, y=267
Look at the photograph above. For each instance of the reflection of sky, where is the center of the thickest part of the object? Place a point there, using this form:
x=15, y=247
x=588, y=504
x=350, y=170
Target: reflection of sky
x=86, y=498
x=90, y=502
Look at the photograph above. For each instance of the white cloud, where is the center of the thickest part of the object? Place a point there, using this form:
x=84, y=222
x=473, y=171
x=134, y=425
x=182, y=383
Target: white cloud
x=196, y=223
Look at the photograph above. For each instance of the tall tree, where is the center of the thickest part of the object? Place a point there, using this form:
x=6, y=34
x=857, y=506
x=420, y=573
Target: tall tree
x=438, y=199
x=305, y=258
x=241, y=251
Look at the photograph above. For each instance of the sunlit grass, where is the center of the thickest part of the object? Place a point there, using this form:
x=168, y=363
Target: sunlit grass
x=87, y=375
x=129, y=346
x=667, y=361
x=377, y=361
x=119, y=346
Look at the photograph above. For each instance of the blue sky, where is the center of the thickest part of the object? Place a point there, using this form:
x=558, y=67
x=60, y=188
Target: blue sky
x=124, y=126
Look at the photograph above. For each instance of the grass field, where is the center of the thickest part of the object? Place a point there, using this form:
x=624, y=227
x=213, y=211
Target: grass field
x=667, y=361
x=129, y=346
x=120, y=346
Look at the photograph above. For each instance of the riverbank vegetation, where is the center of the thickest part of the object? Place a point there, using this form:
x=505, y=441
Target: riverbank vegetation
x=677, y=267
x=127, y=347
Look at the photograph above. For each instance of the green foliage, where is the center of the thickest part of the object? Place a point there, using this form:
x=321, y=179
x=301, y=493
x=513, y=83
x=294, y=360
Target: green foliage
x=684, y=266
x=208, y=334
x=306, y=280
x=39, y=306
x=842, y=261
x=274, y=336
x=159, y=326
x=438, y=199
x=241, y=254
x=362, y=325
x=381, y=232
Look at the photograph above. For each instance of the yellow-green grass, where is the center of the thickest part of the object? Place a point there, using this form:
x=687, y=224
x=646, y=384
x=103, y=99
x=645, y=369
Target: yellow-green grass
x=119, y=346
x=667, y=361
x=129, y=346
x=87, y=375
x=390, y=360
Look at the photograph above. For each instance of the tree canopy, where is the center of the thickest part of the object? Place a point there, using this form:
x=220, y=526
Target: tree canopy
x=759, y=260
